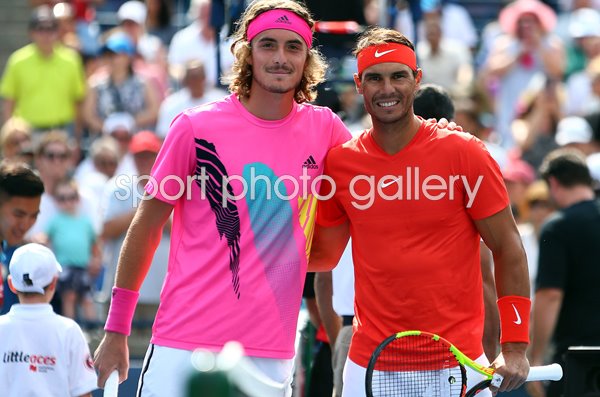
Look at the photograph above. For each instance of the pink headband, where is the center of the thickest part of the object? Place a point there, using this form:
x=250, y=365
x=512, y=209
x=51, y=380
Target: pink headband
x=280, y=19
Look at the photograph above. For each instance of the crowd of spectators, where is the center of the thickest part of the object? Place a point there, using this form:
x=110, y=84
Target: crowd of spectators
x=87, y=102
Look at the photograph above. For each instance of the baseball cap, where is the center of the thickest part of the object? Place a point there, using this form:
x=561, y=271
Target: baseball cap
x=573, y=129
x=119, y=120
x=584, y=22
x=33, y=267
x=144, y=141
x=518, y=170
x=42, y=17
x=119, y=43
x=135, y=11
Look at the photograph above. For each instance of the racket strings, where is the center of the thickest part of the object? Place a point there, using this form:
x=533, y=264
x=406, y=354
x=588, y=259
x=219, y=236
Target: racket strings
x=416, y=366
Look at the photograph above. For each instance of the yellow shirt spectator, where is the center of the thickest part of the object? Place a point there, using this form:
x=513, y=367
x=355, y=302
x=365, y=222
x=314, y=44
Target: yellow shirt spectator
x=45, y=89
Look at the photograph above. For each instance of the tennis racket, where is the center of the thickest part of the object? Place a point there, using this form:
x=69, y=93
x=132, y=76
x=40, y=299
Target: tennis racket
x=111, y=387
x=417, y=363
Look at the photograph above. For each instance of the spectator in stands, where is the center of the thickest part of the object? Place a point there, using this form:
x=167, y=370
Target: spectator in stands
x=198, y=41
x=15, y=140
x=575, y=132
x=83, y=13
x=121, y=90
x=518, y=175
x=20, y=194
x=566, y=298
x=538, y=111
x=43, y=83
x=75, y=244
x=446, y=62
x=583, y=88
x=151, y=59
x=194, y=93
x=158, y=21
x=100, y=165
x=479, y=123
x=456, y=21
x=526, y=49
x=54, y=161
x=120, y=203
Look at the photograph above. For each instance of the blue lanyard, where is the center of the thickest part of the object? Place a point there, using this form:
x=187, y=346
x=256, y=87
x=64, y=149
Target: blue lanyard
x=3, y=258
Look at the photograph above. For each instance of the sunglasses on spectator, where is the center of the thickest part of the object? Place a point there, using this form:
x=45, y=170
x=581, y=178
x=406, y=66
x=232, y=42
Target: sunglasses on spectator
x=63, y=198
x=56, y=155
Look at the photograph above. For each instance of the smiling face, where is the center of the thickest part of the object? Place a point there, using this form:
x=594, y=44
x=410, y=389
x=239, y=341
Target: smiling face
x=278, y=59
x=17, y=216
x=388, y=90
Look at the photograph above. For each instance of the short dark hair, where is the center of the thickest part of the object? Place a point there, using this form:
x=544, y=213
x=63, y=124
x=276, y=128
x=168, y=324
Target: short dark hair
x=19, y=180
x=433, y=102
x=567, y=166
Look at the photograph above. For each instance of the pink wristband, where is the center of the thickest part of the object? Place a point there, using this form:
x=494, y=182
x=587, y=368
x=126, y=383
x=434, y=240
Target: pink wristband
x=122, y=308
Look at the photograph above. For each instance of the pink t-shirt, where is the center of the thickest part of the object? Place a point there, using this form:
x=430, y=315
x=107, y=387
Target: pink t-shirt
x=239, y=250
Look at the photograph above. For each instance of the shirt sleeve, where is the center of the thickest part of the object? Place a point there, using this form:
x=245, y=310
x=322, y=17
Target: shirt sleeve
x=485, y=191
x=82, y=377
x=330, y=211
x=175, y=163
x=340, y=132
x=8, y=85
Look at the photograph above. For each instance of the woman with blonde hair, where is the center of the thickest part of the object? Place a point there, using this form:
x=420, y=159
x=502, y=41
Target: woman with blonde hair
x=15, y=140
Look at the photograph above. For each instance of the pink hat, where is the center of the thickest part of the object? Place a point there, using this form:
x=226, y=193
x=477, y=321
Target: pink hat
x=512, y=12
x=518, y=170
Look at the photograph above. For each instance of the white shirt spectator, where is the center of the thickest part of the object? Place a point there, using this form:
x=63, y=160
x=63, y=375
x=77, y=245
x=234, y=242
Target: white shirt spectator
x=180, y=101
x=189, y=44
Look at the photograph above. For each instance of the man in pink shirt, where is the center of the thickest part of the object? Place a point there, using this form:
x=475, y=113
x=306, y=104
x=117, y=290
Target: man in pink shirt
x=240, y=177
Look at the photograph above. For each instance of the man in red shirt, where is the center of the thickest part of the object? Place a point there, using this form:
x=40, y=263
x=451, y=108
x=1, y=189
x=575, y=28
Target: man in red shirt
x=416, y=199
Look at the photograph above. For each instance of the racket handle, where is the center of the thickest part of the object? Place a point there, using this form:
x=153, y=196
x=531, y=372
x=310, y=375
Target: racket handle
x=545, y=372
x=111, y=387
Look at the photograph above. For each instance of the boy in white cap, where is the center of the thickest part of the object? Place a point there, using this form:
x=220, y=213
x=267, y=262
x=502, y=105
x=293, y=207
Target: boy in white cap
x=41, y=353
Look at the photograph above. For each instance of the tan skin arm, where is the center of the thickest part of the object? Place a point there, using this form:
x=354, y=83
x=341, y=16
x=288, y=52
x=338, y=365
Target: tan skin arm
x=500, y=234
x=491, y=327
x=139, y=246
x=8, y=108
x=329, y=318
x=328, y=246
x=149, y=115
x=88, y=112
x=116, y=226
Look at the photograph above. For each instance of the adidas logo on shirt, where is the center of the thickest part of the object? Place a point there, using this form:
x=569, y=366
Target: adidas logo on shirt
x=310, y=163
x=283, y=19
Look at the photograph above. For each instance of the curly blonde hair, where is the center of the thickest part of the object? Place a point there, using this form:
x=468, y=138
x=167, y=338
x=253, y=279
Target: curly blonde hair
x=240, y=79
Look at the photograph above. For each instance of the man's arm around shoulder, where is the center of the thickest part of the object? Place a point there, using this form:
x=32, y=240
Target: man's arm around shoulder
x=328, y=246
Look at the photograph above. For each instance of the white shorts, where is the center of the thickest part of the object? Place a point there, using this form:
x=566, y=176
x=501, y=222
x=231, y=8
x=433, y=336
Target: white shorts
x=166, y=371
x=354, y=379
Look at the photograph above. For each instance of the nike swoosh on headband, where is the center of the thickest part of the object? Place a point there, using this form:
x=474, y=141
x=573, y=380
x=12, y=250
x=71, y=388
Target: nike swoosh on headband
x=380, y=54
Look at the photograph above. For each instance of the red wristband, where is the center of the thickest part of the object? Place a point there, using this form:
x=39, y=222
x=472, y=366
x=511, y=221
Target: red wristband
x=122, y=308
x=514, y=318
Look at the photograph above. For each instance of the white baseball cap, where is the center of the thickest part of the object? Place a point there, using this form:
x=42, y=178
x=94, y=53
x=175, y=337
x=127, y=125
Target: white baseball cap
x=33, y=267
x=135, y=11
x=573, y=129
x=585, y=22
x=119, y=120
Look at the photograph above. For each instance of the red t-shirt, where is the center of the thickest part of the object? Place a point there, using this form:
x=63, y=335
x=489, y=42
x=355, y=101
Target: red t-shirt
x=414, y=243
